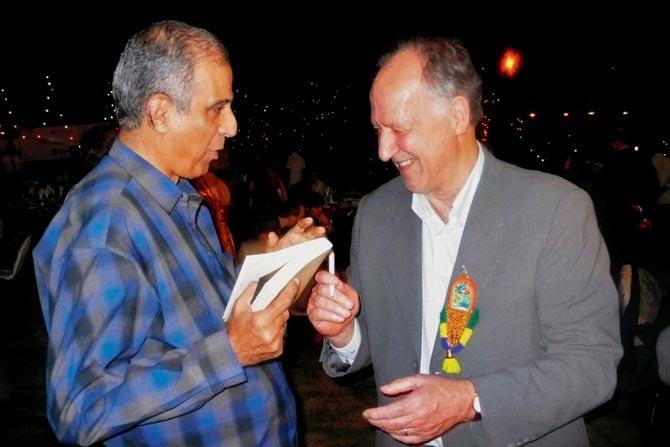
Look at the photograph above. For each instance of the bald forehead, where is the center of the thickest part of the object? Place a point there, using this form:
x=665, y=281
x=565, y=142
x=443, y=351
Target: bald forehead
x=404, y=66
x=396, y=89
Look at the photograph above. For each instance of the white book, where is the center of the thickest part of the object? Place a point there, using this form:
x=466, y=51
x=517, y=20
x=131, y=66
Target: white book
x=276, y=269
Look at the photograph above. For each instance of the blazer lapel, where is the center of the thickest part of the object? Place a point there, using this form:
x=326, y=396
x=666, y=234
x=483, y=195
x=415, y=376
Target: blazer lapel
x=403, y=260
x=479, y=251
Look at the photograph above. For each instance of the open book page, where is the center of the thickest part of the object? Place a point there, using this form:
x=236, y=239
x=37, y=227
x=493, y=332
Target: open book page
x=274, y=270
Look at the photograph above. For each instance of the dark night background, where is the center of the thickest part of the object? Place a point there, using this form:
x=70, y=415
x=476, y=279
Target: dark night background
x=302, y=75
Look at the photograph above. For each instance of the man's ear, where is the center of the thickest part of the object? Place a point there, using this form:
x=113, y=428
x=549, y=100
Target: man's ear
x=158, y=109
x=460, y=112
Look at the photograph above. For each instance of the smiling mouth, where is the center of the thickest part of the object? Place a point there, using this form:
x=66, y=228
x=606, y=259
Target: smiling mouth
x=403, y=163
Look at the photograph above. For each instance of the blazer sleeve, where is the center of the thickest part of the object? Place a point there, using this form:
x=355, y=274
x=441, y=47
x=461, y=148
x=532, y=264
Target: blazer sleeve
x=332, y=364
x=577, y=309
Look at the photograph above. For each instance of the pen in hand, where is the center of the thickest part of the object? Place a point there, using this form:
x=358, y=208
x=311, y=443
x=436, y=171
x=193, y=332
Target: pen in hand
x=331, y=270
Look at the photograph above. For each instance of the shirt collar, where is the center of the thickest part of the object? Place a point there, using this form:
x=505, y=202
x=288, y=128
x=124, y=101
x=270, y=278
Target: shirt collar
x=461, y=207
x=157, y=184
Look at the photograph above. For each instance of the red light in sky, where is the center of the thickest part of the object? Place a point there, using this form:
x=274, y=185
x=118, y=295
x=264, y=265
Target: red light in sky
x=509, y=63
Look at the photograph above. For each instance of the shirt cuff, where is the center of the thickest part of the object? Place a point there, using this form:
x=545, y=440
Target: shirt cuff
x=348, y=353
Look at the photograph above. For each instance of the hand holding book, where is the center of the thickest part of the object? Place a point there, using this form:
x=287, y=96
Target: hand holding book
x=274, y=270
x=259, y=336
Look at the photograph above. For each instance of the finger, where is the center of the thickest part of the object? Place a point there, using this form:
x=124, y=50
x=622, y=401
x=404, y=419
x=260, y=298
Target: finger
x=326, y=278
x=385, y=414
x=322, y=315
x=345, y=301
x=400, y=386
x=346, y=289
x=338, y=304
x=284, y=299
x=393, y=425
x=244, y=300
x=272, y=239
x=307, y=228
x=316, y=231
x=303, y=224
x=317, y=314
x=407, y=439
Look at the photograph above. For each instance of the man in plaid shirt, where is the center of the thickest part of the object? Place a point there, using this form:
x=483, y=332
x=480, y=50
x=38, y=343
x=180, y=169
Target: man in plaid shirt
x=133, y=282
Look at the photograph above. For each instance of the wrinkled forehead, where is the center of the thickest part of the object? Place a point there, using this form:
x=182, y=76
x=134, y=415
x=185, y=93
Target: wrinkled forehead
x=393, y=97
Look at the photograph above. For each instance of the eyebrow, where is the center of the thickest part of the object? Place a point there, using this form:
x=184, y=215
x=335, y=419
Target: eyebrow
x=221, y=103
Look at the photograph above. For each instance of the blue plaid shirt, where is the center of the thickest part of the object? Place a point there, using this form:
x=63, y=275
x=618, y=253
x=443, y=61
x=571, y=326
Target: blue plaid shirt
x=133, y=284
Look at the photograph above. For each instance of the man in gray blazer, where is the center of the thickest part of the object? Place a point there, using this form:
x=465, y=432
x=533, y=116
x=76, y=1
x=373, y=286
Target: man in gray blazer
x=486, y=305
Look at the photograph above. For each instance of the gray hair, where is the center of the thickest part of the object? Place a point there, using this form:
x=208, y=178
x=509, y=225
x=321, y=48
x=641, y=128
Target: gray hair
x=160, y=59
x=448, y=70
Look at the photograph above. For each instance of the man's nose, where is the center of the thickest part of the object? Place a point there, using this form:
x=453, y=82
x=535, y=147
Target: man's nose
x=386, y=145
x=228, y=127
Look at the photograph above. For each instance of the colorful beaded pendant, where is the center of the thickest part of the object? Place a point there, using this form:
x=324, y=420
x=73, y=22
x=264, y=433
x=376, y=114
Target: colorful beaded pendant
x=458, y=318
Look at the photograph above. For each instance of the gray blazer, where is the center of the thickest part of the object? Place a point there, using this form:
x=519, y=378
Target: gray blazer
x=547, y=344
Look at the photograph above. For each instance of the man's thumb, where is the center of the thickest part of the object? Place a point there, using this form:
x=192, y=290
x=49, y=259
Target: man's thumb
x=247, y=295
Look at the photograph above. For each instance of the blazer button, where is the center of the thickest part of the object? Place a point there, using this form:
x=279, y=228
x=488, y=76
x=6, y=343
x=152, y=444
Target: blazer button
x=416, y=366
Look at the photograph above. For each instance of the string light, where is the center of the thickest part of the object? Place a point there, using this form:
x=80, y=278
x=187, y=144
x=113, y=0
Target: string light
x=317, y=113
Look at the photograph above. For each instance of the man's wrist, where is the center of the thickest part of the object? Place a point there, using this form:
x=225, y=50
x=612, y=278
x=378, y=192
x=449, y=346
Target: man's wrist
x=343, y=339
x=472, y=408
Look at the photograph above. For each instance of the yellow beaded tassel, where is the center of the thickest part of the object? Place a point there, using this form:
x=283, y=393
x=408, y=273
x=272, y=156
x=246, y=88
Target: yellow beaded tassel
x=450, y=365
